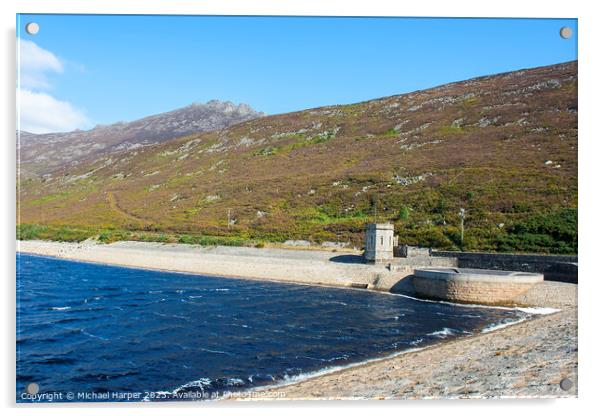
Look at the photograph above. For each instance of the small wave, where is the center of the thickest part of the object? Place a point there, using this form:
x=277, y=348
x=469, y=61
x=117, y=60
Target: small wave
x=86, y=300
x=305, y=356
x=189, y=302
x=443, y=333
x=234, y=382
x=204, y=385
x=93, y=336
x=495, y=327
x=336, y=303
x=200, y=384
x=214, y=351
x=337, y=358
x=533, y=310
x=416, y=341
x=60, y=308
x=260, y=378
x=163, y=315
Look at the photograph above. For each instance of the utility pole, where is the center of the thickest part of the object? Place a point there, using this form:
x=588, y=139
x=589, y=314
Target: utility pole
x=229, y=210
x=462, y=215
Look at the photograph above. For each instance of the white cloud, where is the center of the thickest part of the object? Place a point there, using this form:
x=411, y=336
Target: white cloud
x=42, y=113
x=34, y=63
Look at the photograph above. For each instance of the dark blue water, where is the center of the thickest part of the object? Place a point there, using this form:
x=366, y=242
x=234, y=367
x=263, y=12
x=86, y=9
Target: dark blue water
x=102, y=329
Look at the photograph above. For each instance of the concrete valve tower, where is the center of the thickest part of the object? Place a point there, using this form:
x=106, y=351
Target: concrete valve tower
x=380, y=240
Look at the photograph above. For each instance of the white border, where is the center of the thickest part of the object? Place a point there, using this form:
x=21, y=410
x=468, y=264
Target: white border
x=590, y=156
x=468, y=8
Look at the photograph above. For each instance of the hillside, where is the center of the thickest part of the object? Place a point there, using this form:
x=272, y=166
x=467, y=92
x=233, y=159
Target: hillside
x=504, y=147
x=43, y=153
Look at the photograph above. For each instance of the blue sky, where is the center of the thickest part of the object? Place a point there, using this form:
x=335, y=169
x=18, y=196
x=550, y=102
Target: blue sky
x=113, y=68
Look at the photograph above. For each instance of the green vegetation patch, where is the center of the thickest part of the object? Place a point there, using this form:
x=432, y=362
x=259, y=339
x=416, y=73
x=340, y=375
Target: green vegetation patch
x=207, y=240
x=554, y=232
x=53, y=232
x=298, y=144
x=49, y=198
x=452, y=129
x=329, y=214
x=107, y=236
x=391, y=133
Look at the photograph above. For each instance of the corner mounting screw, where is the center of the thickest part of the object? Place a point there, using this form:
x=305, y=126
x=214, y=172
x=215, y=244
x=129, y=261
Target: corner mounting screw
x=32, y=388
x=566, y=384
x=566, y=32
x=32, y=28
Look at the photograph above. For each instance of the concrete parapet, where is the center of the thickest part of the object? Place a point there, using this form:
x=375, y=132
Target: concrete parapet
x=553, y=267
x=415, y=262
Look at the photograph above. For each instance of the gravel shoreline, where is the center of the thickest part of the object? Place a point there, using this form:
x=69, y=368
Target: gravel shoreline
x=525, y=360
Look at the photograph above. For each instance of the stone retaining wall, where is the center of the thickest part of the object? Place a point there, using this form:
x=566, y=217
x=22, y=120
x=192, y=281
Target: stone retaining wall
x=494, y=293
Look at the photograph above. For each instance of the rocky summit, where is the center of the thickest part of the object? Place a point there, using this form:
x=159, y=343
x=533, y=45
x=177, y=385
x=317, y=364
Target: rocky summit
x=43, y=153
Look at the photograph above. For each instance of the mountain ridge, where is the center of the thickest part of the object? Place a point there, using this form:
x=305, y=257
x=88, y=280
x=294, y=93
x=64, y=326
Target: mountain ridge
x=42, y=153
x=502, y=146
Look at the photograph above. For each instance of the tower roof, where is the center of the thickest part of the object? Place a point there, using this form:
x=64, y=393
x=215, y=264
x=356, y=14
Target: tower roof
x=380, y=226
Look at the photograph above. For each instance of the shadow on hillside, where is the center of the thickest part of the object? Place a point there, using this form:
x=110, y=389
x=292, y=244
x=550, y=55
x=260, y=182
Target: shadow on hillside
x=348, y=259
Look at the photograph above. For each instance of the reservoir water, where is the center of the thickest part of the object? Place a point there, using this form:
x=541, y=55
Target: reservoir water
x=97, y=331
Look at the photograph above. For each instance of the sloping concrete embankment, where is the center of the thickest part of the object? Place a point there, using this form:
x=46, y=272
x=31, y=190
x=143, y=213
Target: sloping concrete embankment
x=295, y=266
